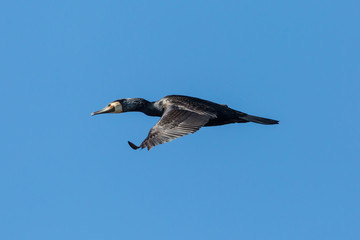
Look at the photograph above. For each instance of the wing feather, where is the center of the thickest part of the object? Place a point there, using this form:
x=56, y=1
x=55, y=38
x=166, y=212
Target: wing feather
x=174, y=123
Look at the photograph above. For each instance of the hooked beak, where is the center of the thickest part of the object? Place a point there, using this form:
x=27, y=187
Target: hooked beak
x=104, y=110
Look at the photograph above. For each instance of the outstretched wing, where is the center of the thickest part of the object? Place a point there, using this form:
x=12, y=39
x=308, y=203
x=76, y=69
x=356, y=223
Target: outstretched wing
x=173, y=124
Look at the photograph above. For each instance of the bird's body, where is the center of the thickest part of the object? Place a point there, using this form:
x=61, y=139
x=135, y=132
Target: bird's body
x=180, y=115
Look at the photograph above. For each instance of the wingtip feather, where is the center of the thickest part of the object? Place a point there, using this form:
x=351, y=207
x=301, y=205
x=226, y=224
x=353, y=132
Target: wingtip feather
x=133, y=146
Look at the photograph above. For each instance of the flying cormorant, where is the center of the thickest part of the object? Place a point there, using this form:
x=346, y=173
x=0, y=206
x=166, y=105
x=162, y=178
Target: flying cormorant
x=180, y=115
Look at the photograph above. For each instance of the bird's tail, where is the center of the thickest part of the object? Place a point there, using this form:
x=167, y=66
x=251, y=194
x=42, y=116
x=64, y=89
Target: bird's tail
x=260, y=120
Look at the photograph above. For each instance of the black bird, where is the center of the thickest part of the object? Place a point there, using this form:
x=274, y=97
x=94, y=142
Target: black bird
x=180, y=115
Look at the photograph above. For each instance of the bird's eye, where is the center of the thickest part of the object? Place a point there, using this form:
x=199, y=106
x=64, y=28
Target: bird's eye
x=108, y=105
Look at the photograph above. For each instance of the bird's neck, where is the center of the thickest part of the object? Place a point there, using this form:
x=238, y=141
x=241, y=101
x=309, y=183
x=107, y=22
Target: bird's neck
x=141, y=105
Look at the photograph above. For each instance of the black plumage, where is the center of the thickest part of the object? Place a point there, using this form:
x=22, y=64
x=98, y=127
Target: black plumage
x=180, y=115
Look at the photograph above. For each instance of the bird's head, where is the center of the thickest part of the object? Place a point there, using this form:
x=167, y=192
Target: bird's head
x=113, y=107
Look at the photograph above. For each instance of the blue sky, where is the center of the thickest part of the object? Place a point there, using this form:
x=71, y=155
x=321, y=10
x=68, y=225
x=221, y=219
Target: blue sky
x=67, y=175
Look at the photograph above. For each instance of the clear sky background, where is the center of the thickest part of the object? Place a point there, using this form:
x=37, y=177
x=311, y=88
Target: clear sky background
x=67, y=175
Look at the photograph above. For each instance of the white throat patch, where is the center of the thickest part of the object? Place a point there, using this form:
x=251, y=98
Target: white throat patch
x=117, y=106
